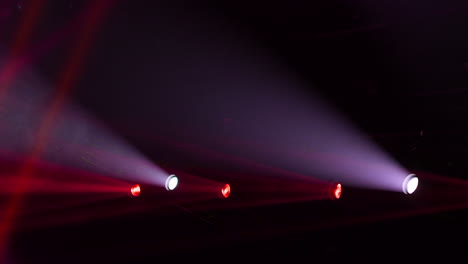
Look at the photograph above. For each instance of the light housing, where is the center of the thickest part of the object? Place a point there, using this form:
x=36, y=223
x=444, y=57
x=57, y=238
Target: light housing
x=171, y=182
x=338, y=191
x=135, y=190
x=335, y=191
x=225, y=191
x=410, y=184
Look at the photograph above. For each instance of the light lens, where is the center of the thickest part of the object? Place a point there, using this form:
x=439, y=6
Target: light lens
x=337, y=191
x=172, y=182
x=135, y=190
x=225, y=190
x=410, y=184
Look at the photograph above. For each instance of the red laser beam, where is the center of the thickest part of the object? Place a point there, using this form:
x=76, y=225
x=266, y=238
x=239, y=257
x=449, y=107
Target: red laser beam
x=16, y=60
x=65, y=84
x=7, y=74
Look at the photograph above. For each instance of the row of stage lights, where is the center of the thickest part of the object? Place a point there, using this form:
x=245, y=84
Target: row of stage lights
x=409, y=186
x=171, y=184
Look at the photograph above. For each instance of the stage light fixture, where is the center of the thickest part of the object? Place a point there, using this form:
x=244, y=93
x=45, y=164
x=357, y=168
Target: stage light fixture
x=171, y=182
x=225, y=191
x=135, y=190
x=410, y=184
x=335, y=190
x=338, y=190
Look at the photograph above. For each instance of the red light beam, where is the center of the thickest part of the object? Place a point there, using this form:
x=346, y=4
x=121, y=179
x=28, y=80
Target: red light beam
x=95, y=16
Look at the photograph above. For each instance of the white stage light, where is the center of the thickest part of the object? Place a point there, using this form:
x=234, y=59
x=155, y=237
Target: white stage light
x=410, y=184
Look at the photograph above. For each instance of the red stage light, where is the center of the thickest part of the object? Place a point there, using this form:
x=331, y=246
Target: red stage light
x=337, y=191
x=135, y=190
x=225, y=190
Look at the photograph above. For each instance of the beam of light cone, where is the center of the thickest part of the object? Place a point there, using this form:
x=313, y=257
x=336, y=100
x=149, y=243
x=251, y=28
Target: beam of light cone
x=171, y=182
x=76, y=138
x=41, y=136
x=51, y=178
x=279, y=122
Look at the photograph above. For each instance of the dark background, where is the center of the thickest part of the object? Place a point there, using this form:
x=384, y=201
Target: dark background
x=397, y=69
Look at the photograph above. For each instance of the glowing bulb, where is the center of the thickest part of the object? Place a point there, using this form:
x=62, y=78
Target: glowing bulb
x=225, y=190
x=172, y=182
x=135, y=190
x=335, y=191
x=410, y=184
x=338, y=190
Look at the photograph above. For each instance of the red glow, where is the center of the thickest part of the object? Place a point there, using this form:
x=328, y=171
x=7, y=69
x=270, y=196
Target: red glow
x=226, y=190
x=135, y=190
x=337, y=191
